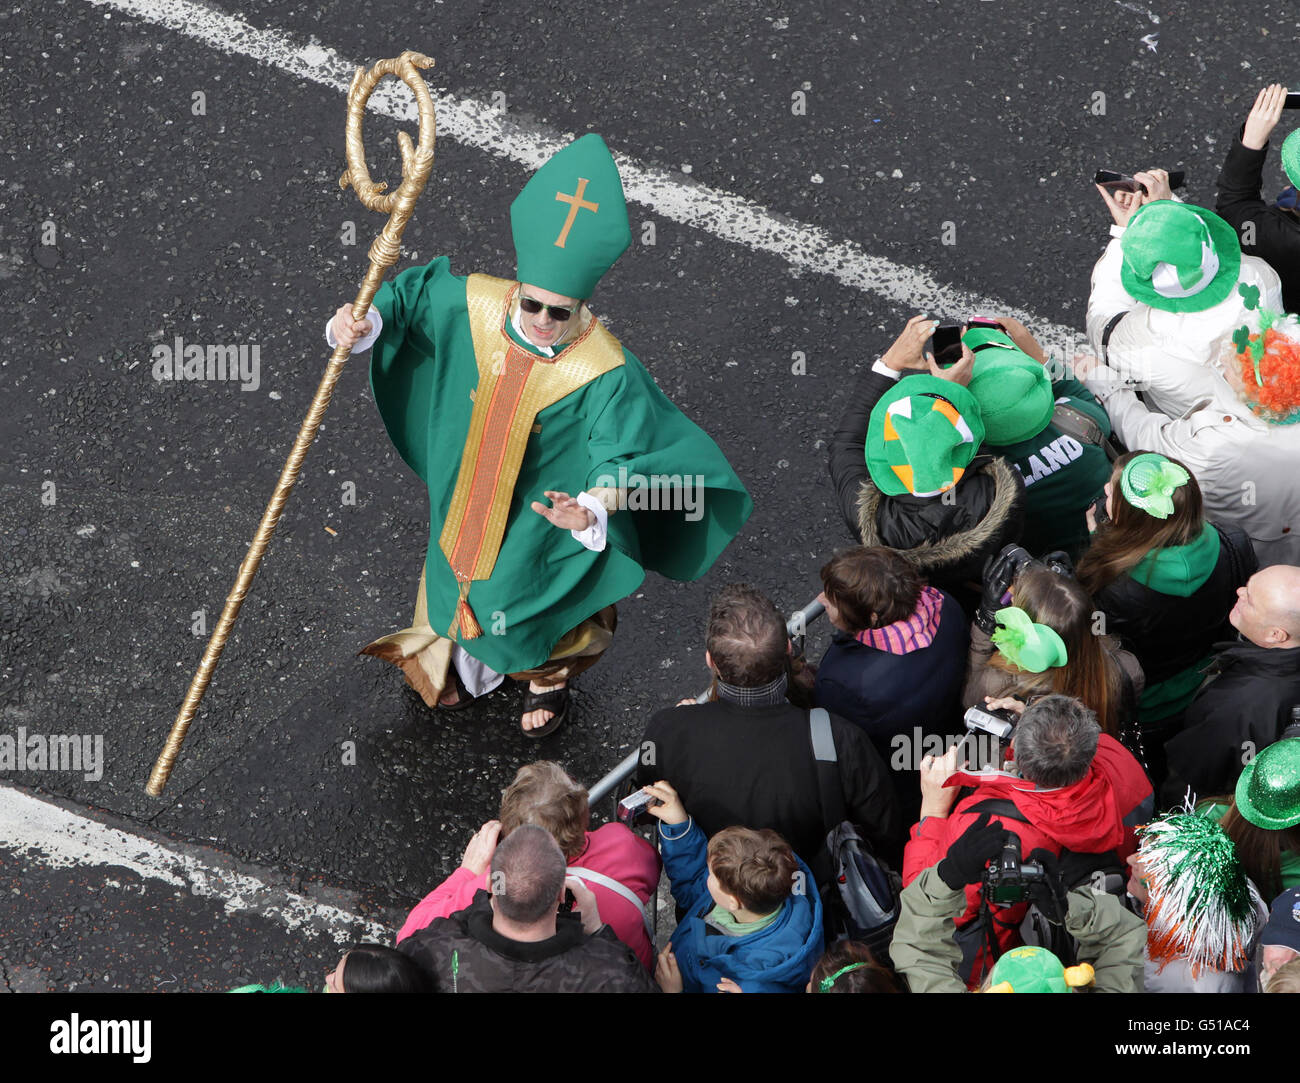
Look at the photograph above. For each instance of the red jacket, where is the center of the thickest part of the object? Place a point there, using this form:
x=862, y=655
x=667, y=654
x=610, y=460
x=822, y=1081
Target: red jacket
x=1096, y=814
x=613, y=850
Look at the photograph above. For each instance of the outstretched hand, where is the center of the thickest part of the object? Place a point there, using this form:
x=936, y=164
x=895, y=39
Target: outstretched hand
x=565, y=511
x=1264, y=117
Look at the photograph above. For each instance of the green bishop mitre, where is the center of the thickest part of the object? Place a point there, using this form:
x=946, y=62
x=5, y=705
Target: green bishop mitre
x=570, y=221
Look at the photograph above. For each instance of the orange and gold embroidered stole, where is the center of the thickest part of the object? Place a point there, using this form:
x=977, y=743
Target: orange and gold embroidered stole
x=514, y=385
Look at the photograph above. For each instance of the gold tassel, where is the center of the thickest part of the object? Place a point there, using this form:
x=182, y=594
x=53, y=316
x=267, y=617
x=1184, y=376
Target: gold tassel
x=469, y=626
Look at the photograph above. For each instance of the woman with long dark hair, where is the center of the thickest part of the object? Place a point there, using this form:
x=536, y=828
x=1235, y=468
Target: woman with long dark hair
x=1165, y=580
x=1091, y=668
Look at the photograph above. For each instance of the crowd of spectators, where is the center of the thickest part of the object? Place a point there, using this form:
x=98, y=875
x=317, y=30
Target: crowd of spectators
x=1055, y=704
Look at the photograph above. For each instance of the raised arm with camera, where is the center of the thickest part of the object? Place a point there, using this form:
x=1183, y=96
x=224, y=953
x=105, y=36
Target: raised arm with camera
x=847, y=458
x=907, y=469
x=1107, y=936
x=1270, y=231
x=1168, y=293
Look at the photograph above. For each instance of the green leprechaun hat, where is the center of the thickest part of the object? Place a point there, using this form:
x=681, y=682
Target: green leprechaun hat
x=570, y=221
x=1179, y=258
x=1268, y=791
x=922, y=435
x=1033, y=969
x=1013, y=390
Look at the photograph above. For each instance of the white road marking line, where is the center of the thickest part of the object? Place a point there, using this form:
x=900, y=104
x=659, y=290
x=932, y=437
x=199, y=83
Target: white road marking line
x=55, y=837
x=481, y=125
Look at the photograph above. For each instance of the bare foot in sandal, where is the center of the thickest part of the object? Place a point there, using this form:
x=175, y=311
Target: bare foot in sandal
x=535, y=720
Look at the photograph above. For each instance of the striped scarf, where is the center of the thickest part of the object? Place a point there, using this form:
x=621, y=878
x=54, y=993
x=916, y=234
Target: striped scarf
x=911, y=633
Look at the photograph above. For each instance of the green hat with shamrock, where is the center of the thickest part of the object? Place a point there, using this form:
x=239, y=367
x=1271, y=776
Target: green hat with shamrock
x=1033, y=969
x=570, y=221
x=1268, y=791
x=922, y=435
x=1013, y=390
x=1179, y=258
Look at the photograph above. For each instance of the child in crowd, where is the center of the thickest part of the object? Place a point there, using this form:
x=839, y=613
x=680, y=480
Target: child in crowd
x=849, y=967
x=752, y=920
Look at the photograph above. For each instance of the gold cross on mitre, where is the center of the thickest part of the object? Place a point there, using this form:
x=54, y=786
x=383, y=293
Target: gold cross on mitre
x=576, y=203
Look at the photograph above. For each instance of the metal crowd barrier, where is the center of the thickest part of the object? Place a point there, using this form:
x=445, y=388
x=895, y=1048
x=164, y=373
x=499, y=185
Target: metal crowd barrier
x=795, y=627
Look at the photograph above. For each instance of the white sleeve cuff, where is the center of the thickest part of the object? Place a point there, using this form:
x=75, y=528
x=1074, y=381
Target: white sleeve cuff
x=593, y=537
x=1116, y=231
x=885, y=370
x=376, y=326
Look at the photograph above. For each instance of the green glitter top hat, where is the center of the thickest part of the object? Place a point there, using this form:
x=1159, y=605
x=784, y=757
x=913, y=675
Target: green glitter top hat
x=1268, y=791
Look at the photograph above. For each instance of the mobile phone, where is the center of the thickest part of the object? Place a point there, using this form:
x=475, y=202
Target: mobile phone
x=945, y=343
x=1292, y=100
x=1115, y=182
x=1121, y=182
x=1098, y=509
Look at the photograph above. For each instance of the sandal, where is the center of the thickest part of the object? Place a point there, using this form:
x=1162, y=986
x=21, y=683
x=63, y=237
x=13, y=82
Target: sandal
x=463, y=698
x=556, y=700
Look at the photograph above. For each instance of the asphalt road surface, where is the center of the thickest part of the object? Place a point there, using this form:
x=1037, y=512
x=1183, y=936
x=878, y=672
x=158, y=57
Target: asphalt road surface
x=126, y=503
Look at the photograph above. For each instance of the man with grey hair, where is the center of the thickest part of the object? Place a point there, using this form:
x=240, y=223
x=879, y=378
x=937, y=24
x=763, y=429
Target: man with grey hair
x=1068, y=787
x=513, y=939
x=1251, y=687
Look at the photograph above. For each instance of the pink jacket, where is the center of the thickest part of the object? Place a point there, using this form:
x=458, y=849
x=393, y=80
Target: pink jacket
x=612, y=850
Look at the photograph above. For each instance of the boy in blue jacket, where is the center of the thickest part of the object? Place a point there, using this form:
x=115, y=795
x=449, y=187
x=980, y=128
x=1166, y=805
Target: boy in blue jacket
x=753, y=919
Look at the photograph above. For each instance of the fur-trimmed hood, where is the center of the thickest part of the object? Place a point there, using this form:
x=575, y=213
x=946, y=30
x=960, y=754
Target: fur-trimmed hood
x=952, y=534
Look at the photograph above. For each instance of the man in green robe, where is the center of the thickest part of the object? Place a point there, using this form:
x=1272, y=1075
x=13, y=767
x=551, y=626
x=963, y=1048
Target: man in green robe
x=505, y=397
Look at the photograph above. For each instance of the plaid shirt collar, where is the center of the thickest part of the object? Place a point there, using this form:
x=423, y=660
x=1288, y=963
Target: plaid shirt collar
x=765, y=695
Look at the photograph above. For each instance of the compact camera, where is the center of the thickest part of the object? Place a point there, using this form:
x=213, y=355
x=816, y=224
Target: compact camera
x=634, y=809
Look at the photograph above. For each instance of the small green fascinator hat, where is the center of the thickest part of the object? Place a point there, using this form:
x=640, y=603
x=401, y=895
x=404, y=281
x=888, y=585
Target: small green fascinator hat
x=1149, y=481
x=1032, y=647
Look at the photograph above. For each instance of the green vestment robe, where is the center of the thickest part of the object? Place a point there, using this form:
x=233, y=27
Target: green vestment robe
x=544, y=582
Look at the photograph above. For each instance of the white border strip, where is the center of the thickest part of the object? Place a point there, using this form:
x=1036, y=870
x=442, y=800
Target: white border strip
x=57, y=838
x=477, y=124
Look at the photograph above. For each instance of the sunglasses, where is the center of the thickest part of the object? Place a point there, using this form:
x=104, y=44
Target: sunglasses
x=533, y=306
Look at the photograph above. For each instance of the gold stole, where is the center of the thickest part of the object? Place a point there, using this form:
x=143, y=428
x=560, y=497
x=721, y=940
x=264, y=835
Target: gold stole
x=514, y=384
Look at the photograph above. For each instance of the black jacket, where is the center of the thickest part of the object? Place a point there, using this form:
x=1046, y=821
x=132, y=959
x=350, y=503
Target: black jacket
x=1277, y=233
x=754, y=767
x=1244, y=708
x=947, y=537
x=466, y=955
x=1169, y=633
x=897, y=698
